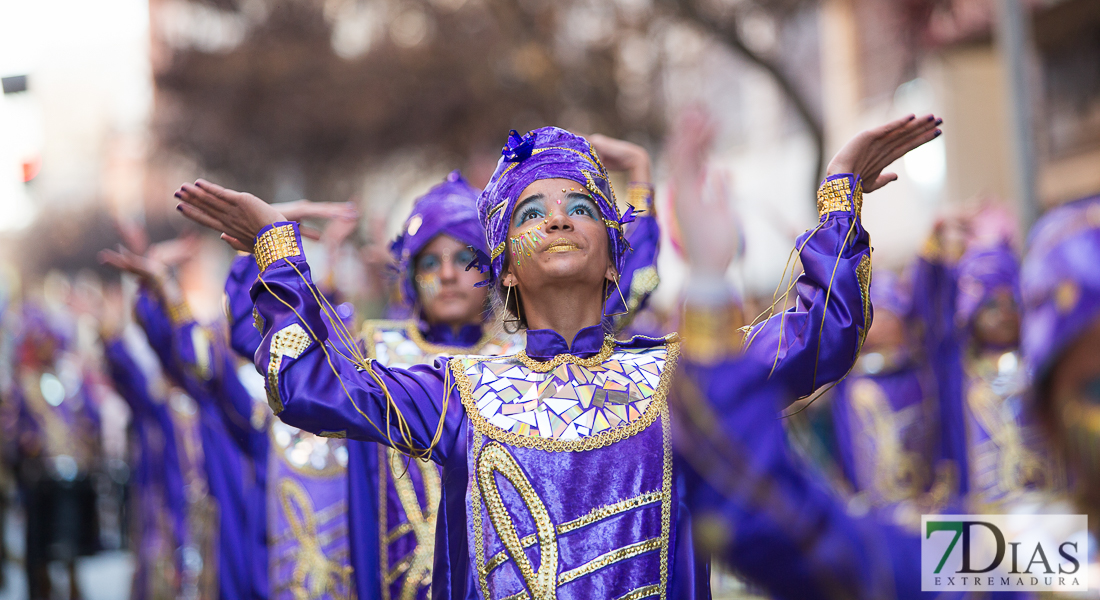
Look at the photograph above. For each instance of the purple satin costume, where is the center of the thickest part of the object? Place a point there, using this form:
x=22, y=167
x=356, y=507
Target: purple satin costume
x=532, y=471
x=825, y=552
x=889, y=421
x=981, y=387
x=157, y=482
x=233, y=450
x=447, y=208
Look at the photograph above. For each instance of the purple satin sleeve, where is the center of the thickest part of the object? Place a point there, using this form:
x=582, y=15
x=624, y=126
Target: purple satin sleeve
x=322, y=391
x=233, y=400
x=644, y=235
x=151, y=314
x=127, y=378
x=217, y=373
x=131, y=383
x=817, y=341
x=789, y=533
x=244, y=338
x=235, y=458
x=936, y=288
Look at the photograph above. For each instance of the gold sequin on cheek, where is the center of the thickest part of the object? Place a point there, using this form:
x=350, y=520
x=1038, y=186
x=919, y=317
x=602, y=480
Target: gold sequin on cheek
x=495, y=459
x=290, y=341
x=1066, y=296
x=527, y=242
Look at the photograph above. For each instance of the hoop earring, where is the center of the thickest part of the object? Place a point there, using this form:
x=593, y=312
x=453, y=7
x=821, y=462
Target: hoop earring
x=626, y=307
x=516, y=322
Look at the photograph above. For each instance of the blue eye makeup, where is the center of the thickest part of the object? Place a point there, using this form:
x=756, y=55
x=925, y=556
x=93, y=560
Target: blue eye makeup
x=529, y=208
x=582, y=206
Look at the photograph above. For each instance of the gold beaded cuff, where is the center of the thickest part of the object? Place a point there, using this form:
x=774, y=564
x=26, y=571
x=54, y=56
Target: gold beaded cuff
x=275, y=244
x=640, y=196
x=837, y=195
x=711, y=333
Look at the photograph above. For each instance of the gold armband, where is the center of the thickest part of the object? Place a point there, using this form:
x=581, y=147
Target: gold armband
x=640, y=196
x=837, y=195
x=711, y=334
x=276, y=244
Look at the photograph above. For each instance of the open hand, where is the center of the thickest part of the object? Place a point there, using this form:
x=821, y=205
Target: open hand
x=238, y=216
x=873, y=150
x=708, y=227
x=620, y=155
x=150, y=271
x=175, y=252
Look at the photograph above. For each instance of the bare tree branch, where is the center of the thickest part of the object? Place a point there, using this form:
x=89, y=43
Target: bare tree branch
x=727, y=31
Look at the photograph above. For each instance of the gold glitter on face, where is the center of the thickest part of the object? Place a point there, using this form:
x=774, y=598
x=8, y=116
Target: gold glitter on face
x=527, y=242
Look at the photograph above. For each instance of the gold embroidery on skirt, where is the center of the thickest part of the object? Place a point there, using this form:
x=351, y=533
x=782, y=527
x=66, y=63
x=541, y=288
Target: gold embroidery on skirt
x=543, y=584
x=495, y=459
x=314, y=574
x=420, y=520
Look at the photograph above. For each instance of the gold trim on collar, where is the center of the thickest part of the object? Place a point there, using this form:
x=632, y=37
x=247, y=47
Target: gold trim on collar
x=600, y=440
x=547, y=366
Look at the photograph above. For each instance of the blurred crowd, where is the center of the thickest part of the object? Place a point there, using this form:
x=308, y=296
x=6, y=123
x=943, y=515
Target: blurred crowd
x=128, y=423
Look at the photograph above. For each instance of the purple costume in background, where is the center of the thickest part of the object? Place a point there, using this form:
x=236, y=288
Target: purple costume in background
x=1060, y=282
x=983, y=387
x=230, y=444
x=780, y=514
x=309, y=509
x=375, y=495
x=53, y=438
x=769, y=515
x=172, y=507
x=158, y=515
x=889, y=421
x=561, y=454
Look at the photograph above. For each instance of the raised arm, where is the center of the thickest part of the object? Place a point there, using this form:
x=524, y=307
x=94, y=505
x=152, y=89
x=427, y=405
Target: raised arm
x=639, y=277
x=317, y=381
x=132, y=384
x=817, y=340
x=128, y=378
x=244, y=336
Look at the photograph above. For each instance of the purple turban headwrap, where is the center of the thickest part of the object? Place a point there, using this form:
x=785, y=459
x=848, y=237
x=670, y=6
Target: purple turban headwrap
x=981, y=273
x=889, y=293
x=449, y=208
x=1060, y=281
x=545, y=153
